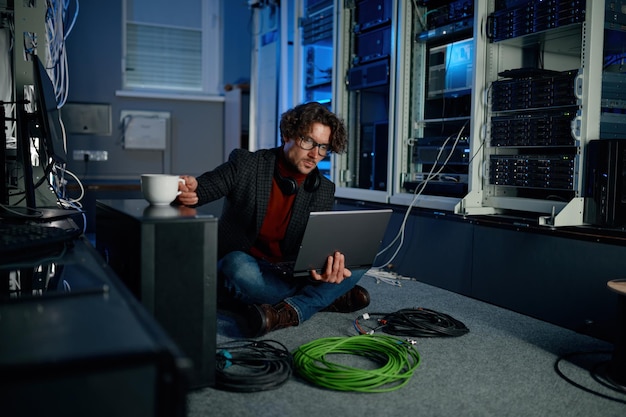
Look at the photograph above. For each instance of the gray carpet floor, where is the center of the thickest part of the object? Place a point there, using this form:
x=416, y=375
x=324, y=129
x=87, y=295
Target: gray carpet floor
x=504, y=366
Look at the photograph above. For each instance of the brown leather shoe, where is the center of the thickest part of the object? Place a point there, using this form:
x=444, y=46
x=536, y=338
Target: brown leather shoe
x=264, y=318
x=355, y=299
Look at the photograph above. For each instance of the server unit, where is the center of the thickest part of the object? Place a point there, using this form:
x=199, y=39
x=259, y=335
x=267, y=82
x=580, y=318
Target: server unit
x=374, y=156
x=372, y=13
x=605, y=183
x=369, y=75
x=372, y=45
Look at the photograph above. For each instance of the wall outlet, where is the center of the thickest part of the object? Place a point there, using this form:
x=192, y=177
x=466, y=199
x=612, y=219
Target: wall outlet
x=84, y=155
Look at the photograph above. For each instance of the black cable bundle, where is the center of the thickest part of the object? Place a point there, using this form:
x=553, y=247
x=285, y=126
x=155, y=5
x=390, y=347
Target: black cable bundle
x=419, y=322
x=251, y=365
x=422, y=322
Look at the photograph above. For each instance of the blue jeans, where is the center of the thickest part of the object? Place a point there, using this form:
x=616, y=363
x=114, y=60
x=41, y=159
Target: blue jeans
x=248, y=280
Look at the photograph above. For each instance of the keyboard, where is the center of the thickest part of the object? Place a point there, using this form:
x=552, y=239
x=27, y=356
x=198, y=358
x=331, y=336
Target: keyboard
x=23, y=241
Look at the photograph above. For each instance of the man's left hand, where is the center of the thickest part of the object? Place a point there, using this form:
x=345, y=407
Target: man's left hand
x=335, y=271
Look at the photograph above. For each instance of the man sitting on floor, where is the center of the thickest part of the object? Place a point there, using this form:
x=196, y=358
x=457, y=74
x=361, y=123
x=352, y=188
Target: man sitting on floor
x=269, y=195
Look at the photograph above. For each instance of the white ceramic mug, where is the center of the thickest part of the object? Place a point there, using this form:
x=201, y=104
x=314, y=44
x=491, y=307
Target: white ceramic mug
x=160, y=189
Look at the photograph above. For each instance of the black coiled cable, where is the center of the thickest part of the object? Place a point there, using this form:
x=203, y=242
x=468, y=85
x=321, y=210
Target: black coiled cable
x=417, y=322
x=252, y=365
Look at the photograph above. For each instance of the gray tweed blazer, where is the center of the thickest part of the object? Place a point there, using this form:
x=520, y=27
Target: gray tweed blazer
x=245, y=181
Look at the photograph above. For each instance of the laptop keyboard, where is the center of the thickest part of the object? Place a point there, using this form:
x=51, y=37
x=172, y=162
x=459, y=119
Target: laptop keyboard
x=31, y=241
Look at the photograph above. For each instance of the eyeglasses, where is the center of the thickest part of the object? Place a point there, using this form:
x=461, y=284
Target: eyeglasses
x=307, y=144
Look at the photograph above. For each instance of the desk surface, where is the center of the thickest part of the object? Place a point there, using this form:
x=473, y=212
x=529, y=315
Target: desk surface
x=141, y=210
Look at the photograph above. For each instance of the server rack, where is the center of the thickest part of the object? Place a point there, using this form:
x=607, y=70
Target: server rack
x=365, y=56
x=438, y=83
x=549, y=89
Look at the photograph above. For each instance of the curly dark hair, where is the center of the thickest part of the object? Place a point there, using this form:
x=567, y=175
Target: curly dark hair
x=298, y=121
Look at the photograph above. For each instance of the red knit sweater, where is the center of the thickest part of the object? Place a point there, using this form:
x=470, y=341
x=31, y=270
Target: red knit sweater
x=276, y=218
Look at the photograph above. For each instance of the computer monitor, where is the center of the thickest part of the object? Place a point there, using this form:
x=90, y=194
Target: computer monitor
x=48, y=115
x=40, y=120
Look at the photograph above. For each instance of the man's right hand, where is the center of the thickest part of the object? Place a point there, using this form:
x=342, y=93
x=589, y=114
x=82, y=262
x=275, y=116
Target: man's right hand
x=188, y=195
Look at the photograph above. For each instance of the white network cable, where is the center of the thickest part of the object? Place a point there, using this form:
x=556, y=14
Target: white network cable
x=418, y=191
x=56, y=34
x=387, y=277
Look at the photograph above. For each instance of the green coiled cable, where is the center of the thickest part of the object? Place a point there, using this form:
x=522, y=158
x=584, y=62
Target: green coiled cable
x=397, y=360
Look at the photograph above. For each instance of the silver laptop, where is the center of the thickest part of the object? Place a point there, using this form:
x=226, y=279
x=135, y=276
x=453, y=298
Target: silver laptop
x=357, y=234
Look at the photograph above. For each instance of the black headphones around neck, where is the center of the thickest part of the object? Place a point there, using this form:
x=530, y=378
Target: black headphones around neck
x=289, y=185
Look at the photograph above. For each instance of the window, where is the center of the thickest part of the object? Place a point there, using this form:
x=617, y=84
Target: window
x=172, y=48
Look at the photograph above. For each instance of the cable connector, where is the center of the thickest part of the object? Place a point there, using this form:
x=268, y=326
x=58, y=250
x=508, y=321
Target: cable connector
x=366, y=316
x=224, y=359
